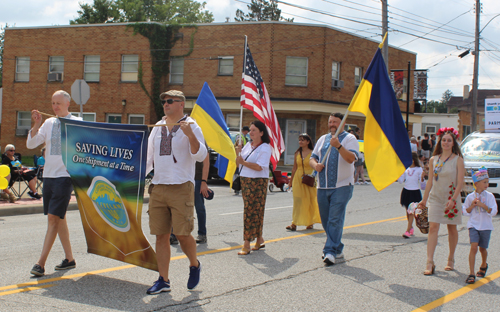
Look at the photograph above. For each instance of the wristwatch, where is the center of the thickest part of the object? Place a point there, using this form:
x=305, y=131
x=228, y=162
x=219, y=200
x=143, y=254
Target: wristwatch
x=338, y=148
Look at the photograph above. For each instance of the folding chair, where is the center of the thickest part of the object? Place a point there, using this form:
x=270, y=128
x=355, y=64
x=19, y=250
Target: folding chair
x=39, y=162
x=18, y=185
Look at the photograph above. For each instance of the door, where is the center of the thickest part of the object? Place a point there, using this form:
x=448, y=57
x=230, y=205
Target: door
x=293, y=129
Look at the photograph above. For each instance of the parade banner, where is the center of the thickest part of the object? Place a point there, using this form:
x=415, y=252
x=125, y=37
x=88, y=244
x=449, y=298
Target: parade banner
x=107, y=164
x=492, y=115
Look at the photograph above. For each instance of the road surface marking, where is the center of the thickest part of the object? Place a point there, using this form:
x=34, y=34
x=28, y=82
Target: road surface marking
x=10, y=292
x=240, y=212
x=457, y=293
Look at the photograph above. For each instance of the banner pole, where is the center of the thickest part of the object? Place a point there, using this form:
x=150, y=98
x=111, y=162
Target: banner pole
x=241, y=106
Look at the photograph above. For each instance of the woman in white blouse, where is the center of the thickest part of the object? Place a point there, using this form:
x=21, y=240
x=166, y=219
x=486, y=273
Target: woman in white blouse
x=253, y=163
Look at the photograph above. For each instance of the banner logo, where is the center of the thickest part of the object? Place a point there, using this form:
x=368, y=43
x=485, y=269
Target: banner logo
x=108, y=203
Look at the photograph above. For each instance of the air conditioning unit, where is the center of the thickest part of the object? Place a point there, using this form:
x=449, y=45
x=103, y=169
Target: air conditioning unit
x=55, y=77
x=337, y=84
x=22, y=132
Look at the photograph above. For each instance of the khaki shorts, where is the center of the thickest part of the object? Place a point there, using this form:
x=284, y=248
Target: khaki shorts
x=172, y=206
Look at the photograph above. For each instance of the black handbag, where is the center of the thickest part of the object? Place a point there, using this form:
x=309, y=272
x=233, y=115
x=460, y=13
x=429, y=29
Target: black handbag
x=308, y=180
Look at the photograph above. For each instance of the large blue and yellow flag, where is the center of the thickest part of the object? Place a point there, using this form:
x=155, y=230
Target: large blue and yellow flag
x=386, y=144
x=209, y=117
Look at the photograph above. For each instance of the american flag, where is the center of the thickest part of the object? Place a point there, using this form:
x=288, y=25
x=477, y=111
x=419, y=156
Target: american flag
x=254, y=97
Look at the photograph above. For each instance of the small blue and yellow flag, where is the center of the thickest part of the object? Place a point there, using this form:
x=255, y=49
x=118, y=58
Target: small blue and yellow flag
x=386, y=144
x=209, y=117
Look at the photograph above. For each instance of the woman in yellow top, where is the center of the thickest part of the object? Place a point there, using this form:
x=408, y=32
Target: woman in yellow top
x=305, y=203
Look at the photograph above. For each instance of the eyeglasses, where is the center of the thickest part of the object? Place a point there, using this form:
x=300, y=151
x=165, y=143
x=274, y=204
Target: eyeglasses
x=12, y=150
x=170, y=101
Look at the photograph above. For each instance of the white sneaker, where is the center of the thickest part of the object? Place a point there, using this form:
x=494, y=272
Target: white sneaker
x=366, y=182
x=340, y=256
x=357, y=183
x=329, y=259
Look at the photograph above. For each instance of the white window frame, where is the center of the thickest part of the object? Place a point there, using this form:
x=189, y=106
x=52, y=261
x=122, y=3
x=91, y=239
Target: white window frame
x=336, y=72
x=226, y=62
x=433, y=131
x=113, y=115
x=137, y=115
x=230, y=117
x=77, y=114
x=56, y=61
x=289, y=67
x=176, y=77
x=26, y=118
x=20, y=72
x=89, y=62
x=358, y=78
x=128, y=75
x=348, y=127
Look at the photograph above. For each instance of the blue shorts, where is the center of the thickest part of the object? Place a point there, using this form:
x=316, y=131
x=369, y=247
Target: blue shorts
x=480, y=237
x=56, y=196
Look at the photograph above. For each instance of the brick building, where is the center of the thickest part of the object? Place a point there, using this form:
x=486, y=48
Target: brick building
x=309, y=70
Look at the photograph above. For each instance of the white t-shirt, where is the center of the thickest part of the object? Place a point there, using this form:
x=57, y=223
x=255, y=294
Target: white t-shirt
x=50, y=134
x=479, y=218
x=168, y=171
x=411, y=178
x=261, y=156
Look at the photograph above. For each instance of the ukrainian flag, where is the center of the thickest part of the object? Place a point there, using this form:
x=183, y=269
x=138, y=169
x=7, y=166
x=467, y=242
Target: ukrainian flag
x=208, y=116
x=386, y=144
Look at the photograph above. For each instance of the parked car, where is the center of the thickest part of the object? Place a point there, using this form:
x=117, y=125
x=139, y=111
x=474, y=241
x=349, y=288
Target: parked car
x=482, y=149
x=213, y=173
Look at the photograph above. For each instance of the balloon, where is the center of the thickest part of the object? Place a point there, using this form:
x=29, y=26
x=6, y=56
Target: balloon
x=4, y=171
x=3, y=184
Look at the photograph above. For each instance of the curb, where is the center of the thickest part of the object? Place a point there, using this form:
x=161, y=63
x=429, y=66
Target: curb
x=38, y=208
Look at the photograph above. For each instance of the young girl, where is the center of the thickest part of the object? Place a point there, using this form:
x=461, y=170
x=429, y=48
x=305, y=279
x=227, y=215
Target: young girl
x=446, y=178
x=481, y=206
x=411, y=191
x=305, y=203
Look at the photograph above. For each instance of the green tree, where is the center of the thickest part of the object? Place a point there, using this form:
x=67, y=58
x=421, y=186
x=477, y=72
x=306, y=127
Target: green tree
x=2, y=36
x=165, y=11
x=440, y=106
x=261, y=10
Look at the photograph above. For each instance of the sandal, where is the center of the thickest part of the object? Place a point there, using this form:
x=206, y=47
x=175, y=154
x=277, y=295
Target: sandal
x=258, y=246
x=243, y=252
x=450, y=267
x=482, y=271
x=310, y=227
x=291, y=227
x=431, y=271
x=471, y=279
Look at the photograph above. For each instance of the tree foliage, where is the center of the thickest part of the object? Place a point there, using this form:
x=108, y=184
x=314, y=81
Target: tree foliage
x=2, y=37
x=440, y=106
x=164, y=11
x=261, y=10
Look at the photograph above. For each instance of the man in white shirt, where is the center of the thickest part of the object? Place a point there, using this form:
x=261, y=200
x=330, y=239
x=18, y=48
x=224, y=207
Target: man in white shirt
x=335, y=183
x=57, y=187
x=173, y=151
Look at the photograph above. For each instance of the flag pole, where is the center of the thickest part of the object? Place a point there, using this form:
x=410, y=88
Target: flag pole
x=241, y=107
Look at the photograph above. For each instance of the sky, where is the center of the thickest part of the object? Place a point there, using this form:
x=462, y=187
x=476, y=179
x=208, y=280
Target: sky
x=448, y=24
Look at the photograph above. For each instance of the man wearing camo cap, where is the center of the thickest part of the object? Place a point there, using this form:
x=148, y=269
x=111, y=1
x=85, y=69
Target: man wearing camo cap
x=173, y=150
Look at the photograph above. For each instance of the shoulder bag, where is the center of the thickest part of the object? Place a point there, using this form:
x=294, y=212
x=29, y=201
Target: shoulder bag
x=237, y=182
x=307, y=179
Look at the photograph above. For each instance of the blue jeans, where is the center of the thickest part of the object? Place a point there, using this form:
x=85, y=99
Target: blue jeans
x=332, y=206
x=199, y=205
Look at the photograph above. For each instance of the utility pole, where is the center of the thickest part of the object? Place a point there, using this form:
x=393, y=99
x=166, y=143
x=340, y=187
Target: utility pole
x=385, y=29
x=476, y=71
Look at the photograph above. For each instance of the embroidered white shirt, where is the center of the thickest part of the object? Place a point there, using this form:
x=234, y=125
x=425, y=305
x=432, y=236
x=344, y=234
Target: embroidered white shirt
x=478, y=217
x=166, y=170
x=411, y=178
x=50, y=134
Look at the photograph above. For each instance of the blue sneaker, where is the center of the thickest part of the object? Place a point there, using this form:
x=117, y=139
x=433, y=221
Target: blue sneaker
x=159, y=286
x=194, y=276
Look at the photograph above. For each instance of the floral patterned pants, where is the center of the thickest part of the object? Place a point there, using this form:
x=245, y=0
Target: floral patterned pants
x=254, y=192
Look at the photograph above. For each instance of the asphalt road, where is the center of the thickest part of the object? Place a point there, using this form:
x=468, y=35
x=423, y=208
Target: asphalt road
x=382, y=271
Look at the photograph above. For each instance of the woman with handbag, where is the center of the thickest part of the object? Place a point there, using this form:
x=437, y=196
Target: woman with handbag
x=443, y=194
x=305, y=202
x=253, y=162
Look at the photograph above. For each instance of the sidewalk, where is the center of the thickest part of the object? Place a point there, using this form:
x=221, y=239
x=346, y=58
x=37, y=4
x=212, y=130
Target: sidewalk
x=27, y=205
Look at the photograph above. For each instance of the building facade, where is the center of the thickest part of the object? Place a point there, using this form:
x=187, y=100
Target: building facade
x=310, y=71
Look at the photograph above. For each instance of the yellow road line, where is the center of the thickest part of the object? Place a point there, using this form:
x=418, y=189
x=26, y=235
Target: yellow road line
x=10, y=292
x=55, y=279
x=457, y=293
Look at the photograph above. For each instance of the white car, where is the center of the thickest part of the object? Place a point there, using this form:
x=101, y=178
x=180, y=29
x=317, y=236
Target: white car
x=482, y=149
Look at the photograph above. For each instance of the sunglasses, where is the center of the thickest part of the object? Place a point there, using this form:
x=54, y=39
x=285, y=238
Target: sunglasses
x=170, y=101
x=12, y=150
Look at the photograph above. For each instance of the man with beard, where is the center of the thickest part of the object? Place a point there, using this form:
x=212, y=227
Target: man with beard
x=336, y=182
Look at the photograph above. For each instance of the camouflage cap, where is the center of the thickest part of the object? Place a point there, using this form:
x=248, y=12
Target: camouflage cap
x=173, y=93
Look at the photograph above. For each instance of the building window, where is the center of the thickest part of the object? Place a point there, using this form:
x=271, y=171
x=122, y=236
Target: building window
x=86, y=116
x=114, y=118
x=136, y=119
x=23, y=69
x=91, y=68
x=56, y=64
x=465, y=131
x=176, y=70
x=358, y=75
x=226, y=65
x=130, y=68
x=233, y=122
x=336, y=70
x=348, y=127
x=296, y=71
x=23, y=123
